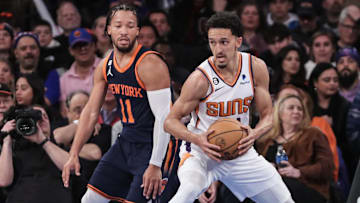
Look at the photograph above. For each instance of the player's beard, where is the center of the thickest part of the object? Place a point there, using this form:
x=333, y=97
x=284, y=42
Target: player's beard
x=125, y=49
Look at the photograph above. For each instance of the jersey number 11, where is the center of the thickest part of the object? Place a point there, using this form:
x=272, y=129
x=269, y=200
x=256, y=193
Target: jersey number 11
x=130, y=118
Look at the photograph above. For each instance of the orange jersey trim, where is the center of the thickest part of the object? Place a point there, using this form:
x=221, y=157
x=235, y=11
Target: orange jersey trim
x=221, y=77
x=251, y=73
x=105, y=65
x=197, y=114
x=136, y=67
x=184, y=157
x=122, y=70
x=168, y=156
x=175, y=149
x=118, y=199
x=209, y=79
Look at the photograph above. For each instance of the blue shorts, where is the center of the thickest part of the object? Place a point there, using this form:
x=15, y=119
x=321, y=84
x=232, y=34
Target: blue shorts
x=119, y=173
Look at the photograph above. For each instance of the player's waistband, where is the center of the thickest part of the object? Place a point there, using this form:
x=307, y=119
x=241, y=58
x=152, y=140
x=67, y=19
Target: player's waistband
x=139, y=135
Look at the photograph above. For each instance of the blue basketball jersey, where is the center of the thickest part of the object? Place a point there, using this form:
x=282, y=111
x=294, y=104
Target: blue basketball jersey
x=133, y=105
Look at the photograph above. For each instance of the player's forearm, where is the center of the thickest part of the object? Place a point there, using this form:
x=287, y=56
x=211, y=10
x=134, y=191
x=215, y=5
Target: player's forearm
x=65, y=135
x=6, y=165
x=263, y=126
x=90, y=152
x=87, y=123
x=159, y=101
x=160, y=143
x=176, y=128
x=56, y=154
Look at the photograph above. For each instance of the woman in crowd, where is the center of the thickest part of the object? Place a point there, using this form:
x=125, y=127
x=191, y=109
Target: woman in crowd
x=290, y=68
x=329, y=104
x=253, y=22
x=148, y=34
x=103, y=44
x=322, y=49
x=316, y=121
x=7, y=74
x=29, y=90
x=308, y=171
x=324, y=83
x=6, y=38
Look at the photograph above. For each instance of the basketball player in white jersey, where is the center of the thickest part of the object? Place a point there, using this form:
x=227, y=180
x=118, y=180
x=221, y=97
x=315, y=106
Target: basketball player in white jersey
x=224, y=87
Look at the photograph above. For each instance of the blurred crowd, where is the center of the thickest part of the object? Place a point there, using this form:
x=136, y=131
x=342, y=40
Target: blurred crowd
x=49, y=50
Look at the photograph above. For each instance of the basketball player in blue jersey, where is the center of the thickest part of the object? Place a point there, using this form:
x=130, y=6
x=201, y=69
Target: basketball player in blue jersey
x=223, y=87
x=131, y=170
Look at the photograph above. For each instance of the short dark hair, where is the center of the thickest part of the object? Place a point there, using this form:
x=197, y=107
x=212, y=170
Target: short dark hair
x=39, y=23
x=96, y=21
x=121, y=7
x=158, y=11
x=276, y=32
x=227, y=20
x=148, y=23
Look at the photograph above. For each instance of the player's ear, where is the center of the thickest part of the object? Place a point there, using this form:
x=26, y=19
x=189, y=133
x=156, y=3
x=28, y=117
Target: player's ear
x=138, y=31
x=238, y=41
x=108, y=30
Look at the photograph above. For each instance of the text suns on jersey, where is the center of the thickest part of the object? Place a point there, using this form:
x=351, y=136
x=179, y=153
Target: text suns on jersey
x=228, y=108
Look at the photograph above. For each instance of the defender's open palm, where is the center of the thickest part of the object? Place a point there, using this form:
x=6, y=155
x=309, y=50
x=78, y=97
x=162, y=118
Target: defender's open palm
x=210, y=149
x=152, y=181
x=71, y=165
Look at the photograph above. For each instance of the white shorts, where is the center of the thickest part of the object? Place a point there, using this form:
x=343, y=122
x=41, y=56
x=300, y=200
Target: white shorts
x=246, y=176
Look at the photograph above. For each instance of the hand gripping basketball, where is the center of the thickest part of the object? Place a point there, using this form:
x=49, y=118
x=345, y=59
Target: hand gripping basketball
x=227, y=134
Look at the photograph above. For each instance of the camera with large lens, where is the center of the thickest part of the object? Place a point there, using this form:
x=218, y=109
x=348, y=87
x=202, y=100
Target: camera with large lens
x=25, y=119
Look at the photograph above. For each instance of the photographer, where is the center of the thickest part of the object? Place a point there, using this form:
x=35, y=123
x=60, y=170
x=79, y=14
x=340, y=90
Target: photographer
x=6, y=101
x=30, y=164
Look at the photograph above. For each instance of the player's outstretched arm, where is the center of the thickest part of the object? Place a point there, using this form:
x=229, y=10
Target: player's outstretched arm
x=155, y=77
x=88, y=119
x=194, y=89
x=263, y=104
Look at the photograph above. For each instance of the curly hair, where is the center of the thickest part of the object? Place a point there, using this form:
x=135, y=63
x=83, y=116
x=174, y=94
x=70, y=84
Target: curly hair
x=227, y=20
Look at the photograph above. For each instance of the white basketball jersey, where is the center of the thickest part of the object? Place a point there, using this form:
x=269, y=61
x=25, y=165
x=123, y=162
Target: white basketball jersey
x=224, y=100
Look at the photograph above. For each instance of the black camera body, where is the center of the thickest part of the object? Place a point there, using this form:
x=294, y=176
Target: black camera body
x=25, y=119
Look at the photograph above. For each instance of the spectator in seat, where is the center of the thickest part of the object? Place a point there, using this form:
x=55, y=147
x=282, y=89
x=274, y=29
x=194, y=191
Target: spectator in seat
x=92, y=151
x=80, y=74
x=308, y=171
x=348, y=66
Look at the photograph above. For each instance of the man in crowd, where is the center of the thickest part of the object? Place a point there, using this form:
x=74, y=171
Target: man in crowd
x=52, y=53
x=68, y=18
x=80, y=75
x=348, y=28
x=92, y=151
x=348, y=66
x=332, y=9
x=279, y=13
x=27, y=53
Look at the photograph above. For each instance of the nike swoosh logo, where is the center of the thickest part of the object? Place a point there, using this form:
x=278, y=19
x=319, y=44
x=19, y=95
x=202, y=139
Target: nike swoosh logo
x=219, y=88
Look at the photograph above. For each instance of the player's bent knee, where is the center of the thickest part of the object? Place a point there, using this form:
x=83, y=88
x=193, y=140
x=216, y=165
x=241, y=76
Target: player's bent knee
x=93, y=197
x=185, y=194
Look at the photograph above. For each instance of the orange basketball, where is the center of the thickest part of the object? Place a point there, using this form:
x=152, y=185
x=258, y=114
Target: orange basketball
x=227, y=134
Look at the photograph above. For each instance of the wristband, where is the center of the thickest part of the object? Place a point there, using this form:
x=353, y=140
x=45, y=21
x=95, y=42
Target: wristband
x=76, y=122
x=43, y=142
x=4, y=133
